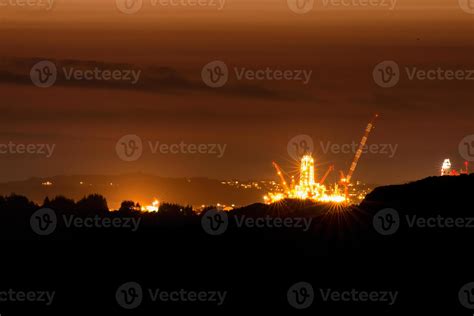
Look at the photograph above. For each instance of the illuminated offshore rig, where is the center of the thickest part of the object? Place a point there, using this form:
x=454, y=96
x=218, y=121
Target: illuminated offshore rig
x=309, y=188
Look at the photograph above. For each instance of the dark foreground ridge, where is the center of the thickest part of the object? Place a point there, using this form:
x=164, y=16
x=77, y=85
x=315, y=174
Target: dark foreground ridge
x=420, y=214
x=410, y=240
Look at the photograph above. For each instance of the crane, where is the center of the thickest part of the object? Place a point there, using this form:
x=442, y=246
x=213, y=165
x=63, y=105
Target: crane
x=362, y=143
x=331, y=168
x=282, y=177
x=342, y=177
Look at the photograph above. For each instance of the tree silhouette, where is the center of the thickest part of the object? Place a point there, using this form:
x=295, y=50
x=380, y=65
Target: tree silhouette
x=91, y=205
x=129, y=208
x=46, y=202
x=170, y=210
x=15, y=212
x=63, y=205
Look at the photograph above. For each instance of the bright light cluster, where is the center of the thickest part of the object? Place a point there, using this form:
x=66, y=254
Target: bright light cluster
x=446, y=168
x=308, y=188
x=155, y=205
x=274, y=197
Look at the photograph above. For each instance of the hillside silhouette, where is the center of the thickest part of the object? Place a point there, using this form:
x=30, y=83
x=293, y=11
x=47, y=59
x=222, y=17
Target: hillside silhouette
x=448, y=195
x=135, y=186
x=332, y=230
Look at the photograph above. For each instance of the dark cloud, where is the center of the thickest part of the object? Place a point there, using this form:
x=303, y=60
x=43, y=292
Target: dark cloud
x=153, y=79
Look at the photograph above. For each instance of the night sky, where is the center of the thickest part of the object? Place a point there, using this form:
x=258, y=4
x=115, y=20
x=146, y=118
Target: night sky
x=425, y=120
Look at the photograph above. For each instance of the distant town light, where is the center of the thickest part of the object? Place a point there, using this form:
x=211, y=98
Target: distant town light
x=153, y=208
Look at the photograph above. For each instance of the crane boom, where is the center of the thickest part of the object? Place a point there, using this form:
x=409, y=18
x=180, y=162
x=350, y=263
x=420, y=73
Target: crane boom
x=331, y=168
x=363, y=141
x=282, y=177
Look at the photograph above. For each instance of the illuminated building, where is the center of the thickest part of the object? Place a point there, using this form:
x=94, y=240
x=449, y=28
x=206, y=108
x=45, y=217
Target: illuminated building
x=307, y=187
x=446, y=168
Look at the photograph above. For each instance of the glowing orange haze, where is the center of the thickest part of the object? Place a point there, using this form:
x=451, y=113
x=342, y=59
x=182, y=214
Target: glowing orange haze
x=340, y=45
